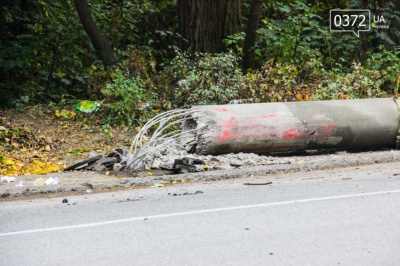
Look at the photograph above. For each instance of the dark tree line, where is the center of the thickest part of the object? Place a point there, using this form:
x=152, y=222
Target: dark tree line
x=203, y=25
x=56, y=43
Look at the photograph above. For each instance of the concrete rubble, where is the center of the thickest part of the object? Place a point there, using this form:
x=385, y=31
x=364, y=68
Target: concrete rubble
x=178, y=161
x=167, y=160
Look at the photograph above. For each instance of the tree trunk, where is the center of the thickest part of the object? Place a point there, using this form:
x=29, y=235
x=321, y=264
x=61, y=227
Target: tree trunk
x=101, y=45
x=204, y=24
x=253, y=22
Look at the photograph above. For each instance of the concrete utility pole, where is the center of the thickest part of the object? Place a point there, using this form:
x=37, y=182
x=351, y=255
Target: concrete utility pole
x=293, y=126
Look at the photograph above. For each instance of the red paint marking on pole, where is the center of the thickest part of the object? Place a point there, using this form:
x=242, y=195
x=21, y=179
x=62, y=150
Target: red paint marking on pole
x=327, y=129
x=254, y=126
x=229, y=128
x=293, y=133
x=271, y=115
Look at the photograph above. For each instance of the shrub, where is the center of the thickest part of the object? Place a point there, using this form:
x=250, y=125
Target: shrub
x=205, y=79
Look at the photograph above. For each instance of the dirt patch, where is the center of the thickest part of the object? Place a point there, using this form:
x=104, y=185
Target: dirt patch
x=37, y=134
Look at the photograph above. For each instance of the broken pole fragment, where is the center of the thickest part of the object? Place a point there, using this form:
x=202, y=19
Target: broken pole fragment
x=257, y=184
x=292, y=126
x=266, y=128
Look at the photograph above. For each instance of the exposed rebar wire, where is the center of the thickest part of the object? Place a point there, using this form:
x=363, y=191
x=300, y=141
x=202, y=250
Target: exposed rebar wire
x=142, y=148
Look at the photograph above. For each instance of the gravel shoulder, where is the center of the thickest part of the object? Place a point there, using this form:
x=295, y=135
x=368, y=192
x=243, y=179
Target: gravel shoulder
x=94, y=182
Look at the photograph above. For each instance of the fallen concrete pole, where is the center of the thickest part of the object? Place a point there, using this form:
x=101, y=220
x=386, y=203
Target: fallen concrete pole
x=292, y=126
x=256, y=128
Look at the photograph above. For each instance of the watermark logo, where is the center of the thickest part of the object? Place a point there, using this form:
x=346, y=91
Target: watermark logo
x=378, y=22
x=352, y=20
x=355, y=20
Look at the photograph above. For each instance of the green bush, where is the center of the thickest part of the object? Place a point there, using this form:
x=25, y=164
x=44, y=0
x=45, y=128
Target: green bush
x=125, y=95
x=387, y=64
x=205, y=78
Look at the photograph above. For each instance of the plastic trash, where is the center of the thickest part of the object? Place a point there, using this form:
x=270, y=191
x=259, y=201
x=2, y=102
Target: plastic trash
x=8, y=179
x=52, y=181
x=87, y=107
x=145, y=106
x=39, y=181
x=20, y=184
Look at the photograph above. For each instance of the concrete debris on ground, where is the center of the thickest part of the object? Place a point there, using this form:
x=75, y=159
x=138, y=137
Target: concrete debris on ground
x=115, y=160
x=176, y=161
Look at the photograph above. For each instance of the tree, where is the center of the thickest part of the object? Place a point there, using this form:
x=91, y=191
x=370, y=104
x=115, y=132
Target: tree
x=204, y=24
x=101, y=45
x=251, y=34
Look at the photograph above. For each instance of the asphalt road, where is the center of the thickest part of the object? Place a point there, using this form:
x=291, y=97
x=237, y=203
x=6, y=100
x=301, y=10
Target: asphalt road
x=344, y=216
